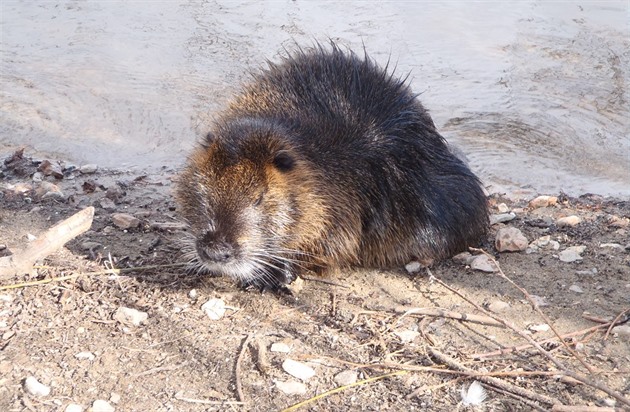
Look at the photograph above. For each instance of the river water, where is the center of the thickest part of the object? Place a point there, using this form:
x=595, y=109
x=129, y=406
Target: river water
x=535, y=93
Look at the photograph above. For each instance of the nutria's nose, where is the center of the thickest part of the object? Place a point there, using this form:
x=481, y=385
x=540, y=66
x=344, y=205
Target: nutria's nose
x=211, y=247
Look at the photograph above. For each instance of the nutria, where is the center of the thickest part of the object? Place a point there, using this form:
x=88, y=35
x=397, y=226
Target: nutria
x=324, y=161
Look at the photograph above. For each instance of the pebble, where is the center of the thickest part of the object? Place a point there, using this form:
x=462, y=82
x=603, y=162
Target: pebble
x=114, y=398
x=280, y=347
x=612, y=246
x=47, y=190
x=622, y=330
x=130, y=316
x=502, y=218
x=510, y=239
x=298, y=369
x=620, y=222
x=498, y=306
x=214, y=308
x=125, y=220
x=407, y=336
x=100, y=405
x=193, y=294
x=503, y=208
x=35, y=387
x=484, y=264
x=85, y=356
x=540, y=301
x=168, y=226
x=543, y=201
x=571, y=254
x=346, y=378
x=114, y=193
x=543, y=327
x=88, y=169
x=50, y=169
x=73, y=407
x=587, y=272
x=464, y=258
x=38, y=177
x=291, y=387
x=569, y=221
x=107, y=204
x=413, y=267
x=576, y=289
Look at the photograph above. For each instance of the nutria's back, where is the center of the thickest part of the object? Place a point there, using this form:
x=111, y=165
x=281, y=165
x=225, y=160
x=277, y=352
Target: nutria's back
x=326, y=160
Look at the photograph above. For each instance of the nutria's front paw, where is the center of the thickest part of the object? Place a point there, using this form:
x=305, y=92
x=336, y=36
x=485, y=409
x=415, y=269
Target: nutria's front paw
x=275, y=281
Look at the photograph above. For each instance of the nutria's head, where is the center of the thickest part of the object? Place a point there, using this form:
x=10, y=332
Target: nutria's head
x=250, y=199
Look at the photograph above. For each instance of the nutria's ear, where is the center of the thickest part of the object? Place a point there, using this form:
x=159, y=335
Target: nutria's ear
x=283, y=161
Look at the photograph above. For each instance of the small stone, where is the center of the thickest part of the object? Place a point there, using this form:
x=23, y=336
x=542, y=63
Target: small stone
x=576, y=289
x=498, y=306
x=89, y=186
x=407, y=336
x=73, y=407
x=50, y=169
x=88, y=169
x=291, y=387
x=167, y=226
x=587, y=272
x=610, y=402
x=484, y=264
x=502, y=218
x=543, y=201
x=107, y=204
x=280, y=347
x=540, y=301
x=125, y=220
x=510, y=239
x=620, y=222
x=571, y=254
x=464, y=258
x=47, y=190
x=569, y=221
x=214, y=308
x=296, y=286
x=543, y=327
x=541, y=241
x=622, y=330
x=35, y=388
x=503, y=208
x=128, y=316
x=38, y=177
x=100, y=405
x=413, y=267
x=555, y=245
x=346, y=378
x=114, y=193
x=193, y=294
x=114, y=398
x=85, y=356
x=612, y=246
x=298, y=369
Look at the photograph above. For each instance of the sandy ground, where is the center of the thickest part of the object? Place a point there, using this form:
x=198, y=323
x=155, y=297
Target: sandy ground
x=65, y=333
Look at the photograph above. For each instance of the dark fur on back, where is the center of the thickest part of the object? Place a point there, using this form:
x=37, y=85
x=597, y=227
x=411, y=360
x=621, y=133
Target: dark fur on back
x=383, y=185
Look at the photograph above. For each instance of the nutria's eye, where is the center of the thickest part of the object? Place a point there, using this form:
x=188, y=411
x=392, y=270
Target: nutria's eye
x=283, y=161
x=259, y=199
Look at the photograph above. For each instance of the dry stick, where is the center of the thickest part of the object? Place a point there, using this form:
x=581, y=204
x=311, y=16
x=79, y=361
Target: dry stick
x=451, y=363
x=514, y=349
x=612, y=325
x=341, y=388
x=536, y=308
x=571, y=408
x=437, y=312
x=47, y=243
x=239, y=388
x=77, y=275
x=205, y=401
x=532, y=342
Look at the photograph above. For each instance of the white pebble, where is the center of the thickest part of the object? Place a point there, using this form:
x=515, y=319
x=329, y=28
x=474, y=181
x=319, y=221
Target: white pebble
x=612, y=246
x=35, y=388
x=413, y=267
x=407, y=336
x=298, y=369
x=114, y=398
x=130, y=316
x=214, y=308
x=543, y=327
x=192, y=294
x=510, y=239
x=571, y=254
x=503, y=208
x=100, y=405
x=543, y=201
x=291, y=387
x=346, y=377
x=498, y=306
x=88, y=169
x=502, y=218
x=484, y=264
x=622, y=330
x=85, y=356
x=576, y=289
x=73, y=407
x=280, y=347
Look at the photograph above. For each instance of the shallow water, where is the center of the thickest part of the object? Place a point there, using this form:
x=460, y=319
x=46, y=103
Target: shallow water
x=534, y=92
